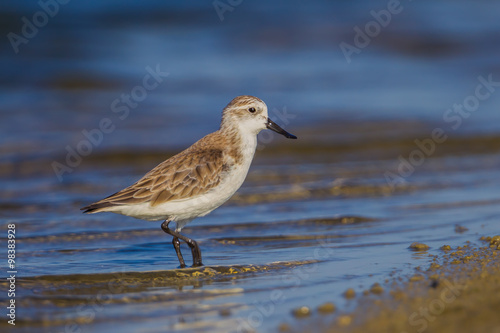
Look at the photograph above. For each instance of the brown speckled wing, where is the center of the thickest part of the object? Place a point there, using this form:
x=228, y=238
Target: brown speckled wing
x=182, y=176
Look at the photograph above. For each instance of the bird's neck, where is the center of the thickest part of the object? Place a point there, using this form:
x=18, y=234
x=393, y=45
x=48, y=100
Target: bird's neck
x=241, y=141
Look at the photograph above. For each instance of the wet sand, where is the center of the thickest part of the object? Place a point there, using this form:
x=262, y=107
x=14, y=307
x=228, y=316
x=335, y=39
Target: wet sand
x=458, y=292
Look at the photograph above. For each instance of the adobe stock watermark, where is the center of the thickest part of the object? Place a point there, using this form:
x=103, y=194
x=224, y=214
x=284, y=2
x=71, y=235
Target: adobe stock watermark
x=372, y=29
x=427, y=314
x=453, y=117
x=48, y=9
x=293, y=279
x=282, y=118
x=223, y=6
x=87, y=312
x=120, y=108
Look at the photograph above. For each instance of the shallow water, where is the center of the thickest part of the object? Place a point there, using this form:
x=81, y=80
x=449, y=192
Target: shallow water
x=296, y=234
x=316, y=216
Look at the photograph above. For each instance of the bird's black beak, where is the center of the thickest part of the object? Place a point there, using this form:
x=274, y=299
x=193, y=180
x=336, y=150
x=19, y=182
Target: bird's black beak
x=274, y=127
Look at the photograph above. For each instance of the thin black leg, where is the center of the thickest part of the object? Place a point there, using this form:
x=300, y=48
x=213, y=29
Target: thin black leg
x=175, y=242
x=195, y=249
x=177, y=247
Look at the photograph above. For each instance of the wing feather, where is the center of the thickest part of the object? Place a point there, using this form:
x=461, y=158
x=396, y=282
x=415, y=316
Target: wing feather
x=142, y=193
x=187, y=174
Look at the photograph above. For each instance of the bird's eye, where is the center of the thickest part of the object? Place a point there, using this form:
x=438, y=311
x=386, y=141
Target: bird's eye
x=252, y=110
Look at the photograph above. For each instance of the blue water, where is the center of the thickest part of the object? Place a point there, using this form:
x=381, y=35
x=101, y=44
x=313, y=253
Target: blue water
x=353, y=121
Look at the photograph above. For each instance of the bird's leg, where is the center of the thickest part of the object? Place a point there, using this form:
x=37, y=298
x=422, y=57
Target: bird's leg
x=175, y=241
x=177, y=247
x=195, y=249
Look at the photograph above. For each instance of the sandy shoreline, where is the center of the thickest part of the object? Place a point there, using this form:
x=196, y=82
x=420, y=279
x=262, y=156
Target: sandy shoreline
x=458, y=292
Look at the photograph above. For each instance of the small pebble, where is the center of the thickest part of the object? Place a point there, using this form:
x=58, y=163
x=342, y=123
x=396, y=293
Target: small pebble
x=418, y=246
x=434, y=277
x=376, y=289
x=349, y=293
x=446, y=248
x=284, y=328
x=344, y=320
x=326, y=308
x=434, y=266
x=225, y=313
x=301, y=312
x=459, y=229
x=416, y=278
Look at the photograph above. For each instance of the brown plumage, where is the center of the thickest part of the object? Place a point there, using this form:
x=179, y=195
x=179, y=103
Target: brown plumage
x=198, y=180
x=192, y=172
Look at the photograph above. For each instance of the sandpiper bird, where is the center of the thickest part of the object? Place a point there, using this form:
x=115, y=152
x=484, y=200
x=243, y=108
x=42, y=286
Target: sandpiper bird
x=198, y=180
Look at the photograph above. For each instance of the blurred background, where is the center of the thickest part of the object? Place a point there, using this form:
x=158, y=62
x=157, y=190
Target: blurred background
x=93, y=94
x=65, y=78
